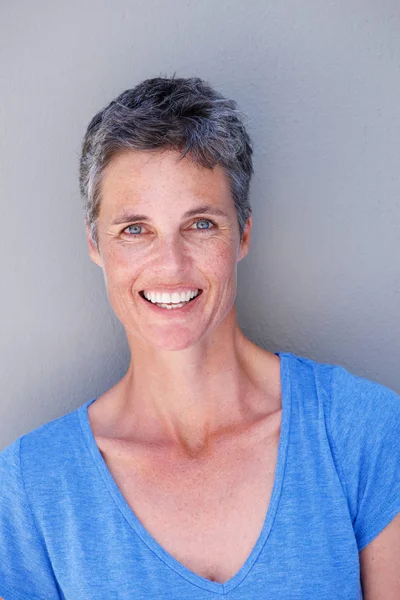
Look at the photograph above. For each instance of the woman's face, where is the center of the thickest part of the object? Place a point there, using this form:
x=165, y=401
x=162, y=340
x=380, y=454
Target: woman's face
x=168, y=226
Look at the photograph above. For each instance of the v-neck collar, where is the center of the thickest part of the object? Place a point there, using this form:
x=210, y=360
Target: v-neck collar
x=149, y=540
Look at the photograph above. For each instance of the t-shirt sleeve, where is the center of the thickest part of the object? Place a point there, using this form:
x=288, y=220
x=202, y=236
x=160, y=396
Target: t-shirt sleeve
x=364, y=422
x=25, y=568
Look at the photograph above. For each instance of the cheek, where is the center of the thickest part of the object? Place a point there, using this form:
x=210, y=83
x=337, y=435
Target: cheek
x=221, y=262
x=120, y=269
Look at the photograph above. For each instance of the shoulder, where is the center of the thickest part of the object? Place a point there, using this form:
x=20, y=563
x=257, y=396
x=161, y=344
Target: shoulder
x=41, y=449
x=346, y=396
x=361, y=393
x=39, y=471
x=361, y=412
x=26, y=469
x=362, y=423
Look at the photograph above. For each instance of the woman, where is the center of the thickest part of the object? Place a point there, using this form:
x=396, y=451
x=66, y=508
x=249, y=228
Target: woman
x=214, y=467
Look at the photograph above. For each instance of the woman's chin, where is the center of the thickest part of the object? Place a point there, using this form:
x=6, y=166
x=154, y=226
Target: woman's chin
x=179, y=339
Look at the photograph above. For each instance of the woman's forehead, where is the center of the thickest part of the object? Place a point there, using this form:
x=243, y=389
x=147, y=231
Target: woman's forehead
x=147, y=177
x=133, y=167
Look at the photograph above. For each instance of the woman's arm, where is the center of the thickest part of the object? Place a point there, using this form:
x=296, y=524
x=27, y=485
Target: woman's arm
x=380, y=564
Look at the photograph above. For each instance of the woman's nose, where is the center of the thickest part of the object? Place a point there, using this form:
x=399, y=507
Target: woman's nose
x=173, y=255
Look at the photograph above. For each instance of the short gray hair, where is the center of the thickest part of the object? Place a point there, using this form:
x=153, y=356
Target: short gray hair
x=187, y=115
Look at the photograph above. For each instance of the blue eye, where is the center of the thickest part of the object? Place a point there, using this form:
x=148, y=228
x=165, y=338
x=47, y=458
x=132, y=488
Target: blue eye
x=130, y=227
x=204, y=221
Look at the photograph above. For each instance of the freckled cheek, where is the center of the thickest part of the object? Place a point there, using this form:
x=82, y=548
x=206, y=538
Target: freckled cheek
x=225, y=258
x=220, y=268
x=121, y=272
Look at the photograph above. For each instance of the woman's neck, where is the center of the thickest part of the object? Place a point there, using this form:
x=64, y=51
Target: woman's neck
x=184, y=400
x=186, y=397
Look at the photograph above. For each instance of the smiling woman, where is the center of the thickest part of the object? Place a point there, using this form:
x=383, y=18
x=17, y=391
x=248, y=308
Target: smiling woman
x=213, y=466
x=162, y=252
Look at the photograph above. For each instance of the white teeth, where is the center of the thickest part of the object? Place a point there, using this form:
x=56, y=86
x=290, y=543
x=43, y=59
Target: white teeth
x=166, y=298
x=172, y=306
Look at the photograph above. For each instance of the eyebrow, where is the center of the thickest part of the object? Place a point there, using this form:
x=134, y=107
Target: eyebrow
x=206, y=209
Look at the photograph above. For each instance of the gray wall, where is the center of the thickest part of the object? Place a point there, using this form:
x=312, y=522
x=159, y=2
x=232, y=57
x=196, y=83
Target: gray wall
x=320, y=83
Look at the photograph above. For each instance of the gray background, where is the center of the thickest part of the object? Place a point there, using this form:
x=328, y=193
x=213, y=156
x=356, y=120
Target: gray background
x=320, y=84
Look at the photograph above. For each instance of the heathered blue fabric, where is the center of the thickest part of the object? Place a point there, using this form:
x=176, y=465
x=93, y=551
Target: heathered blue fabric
x=67, y=532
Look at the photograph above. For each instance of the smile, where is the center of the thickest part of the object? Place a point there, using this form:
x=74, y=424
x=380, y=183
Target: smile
x=170, y=301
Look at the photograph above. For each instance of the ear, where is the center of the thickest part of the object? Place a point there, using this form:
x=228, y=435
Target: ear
x=245, y=243
x=93, y=250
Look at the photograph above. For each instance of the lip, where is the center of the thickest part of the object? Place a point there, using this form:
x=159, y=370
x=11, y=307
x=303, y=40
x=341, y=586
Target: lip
x=173, y=312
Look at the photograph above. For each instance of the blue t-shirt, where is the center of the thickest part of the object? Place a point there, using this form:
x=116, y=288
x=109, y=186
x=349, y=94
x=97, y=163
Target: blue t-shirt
x=67, y=532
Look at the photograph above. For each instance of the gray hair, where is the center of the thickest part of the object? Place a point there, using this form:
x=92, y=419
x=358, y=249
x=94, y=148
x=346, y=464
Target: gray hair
x=187, y=115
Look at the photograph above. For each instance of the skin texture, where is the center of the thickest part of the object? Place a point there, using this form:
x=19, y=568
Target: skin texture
x=200, y=403
x=197, y=371
x=380, y=564
x=170, y=250
x=193, y=377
